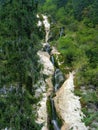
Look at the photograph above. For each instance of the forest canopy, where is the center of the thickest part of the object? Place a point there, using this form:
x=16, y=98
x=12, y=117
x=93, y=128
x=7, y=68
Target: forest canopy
x=19, y=65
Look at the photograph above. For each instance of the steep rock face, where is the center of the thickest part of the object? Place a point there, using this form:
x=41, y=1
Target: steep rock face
x=42, y=116
x=49, y=86
x=44, y=85
x=45, y=60
x=40, y=92
x=68, y=106
x=44, y=89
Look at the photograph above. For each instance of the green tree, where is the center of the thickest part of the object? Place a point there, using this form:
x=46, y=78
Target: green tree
x=18, y=39
x=16, y=110
x=19, y=63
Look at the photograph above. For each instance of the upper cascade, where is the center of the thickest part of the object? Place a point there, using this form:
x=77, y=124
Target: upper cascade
x=46, y=24
x=44, y=56
x=47, y=27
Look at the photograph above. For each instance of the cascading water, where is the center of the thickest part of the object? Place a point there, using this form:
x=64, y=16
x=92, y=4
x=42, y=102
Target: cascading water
x=47, y=27
x=70, y=108
x=55, y=125
x=54, y=120
x=52, y=59
x=48, y=50
x=53, y=109
x=58, y=79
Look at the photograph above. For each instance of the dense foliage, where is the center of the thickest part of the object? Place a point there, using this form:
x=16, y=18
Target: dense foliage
x=76, y=35
x=18, y=63
x=74, y=31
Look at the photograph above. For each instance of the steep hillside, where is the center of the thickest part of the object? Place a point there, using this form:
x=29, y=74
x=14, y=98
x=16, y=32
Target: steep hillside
x=74, y=31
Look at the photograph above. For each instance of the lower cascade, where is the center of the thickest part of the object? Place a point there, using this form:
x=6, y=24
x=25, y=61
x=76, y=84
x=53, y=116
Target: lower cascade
x=55, y=125
x=64, y=103
x=54, y=120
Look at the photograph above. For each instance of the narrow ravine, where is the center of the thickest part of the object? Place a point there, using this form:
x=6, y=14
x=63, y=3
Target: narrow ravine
x=65, y=103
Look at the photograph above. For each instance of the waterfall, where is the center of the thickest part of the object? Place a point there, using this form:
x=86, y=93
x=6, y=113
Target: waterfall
x=65, y=102
x=52, y=59
x=53, y=109
x=58, y=73
x=47, y=27
x=55, y=125
x=45, y=58
x=47, y=48
x=58, y=79
x=54, y=120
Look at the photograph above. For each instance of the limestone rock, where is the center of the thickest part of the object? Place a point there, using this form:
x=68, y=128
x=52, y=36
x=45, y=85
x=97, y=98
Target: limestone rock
x=68, y=105
x=45, y=60
x=49, y=85
x=65, y=127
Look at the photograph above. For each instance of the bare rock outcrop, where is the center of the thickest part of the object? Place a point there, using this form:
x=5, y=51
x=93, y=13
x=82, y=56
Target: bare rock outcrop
x=68, y=106
x=45, y=60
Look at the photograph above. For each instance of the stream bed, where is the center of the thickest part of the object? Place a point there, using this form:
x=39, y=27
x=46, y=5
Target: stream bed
x=64, y=104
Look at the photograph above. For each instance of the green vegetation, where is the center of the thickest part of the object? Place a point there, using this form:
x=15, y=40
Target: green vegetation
x=19, y=66
x=78, y=43
x=16, y=111
x=49, y=110
x=74, y=31
x=50, y=116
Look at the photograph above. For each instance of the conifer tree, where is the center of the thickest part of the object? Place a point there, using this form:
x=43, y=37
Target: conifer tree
x=19, y=63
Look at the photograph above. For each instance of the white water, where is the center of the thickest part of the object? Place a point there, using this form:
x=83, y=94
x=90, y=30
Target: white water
x=47, y=27
x=55, y=125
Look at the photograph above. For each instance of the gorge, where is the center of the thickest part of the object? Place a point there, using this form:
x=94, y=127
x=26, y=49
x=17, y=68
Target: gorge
x=60, y=94
x=48, y=65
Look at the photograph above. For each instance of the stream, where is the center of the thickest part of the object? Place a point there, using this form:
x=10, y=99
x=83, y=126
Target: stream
x=54, y=120
x=65, y=102
x=58, y=75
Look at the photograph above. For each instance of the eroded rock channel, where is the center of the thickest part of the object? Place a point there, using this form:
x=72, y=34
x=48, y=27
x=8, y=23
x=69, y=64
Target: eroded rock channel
x=59, y=108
